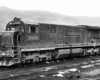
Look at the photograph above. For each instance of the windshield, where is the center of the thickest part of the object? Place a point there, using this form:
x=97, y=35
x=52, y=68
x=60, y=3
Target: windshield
x=13, y=28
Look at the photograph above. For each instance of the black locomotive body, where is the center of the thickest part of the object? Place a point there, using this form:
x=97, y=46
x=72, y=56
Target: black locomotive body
x=24, y=42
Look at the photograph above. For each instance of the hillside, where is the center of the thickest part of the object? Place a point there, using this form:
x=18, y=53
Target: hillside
x=7, y=14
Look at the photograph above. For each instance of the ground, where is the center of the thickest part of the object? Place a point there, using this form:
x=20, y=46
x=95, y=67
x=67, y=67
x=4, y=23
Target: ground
x=87, y=68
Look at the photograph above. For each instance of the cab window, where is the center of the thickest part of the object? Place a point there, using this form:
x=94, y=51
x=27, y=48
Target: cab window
x=13, y=28
x=33, y=29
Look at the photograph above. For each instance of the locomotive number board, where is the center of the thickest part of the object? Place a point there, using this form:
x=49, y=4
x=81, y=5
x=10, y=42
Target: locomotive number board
x=33, y=38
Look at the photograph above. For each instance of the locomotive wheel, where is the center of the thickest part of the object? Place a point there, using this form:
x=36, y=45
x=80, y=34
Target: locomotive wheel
x=36, y=59
x=27, y=61
x=54, y=54
x=92, y=53
x=95, y=53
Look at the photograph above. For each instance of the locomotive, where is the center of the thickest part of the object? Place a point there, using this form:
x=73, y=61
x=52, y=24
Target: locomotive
x=25, y=42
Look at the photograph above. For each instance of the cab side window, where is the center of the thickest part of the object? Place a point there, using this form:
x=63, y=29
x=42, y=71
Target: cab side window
x=33, y=29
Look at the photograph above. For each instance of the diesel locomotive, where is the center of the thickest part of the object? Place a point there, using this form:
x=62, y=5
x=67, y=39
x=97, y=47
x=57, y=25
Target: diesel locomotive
x=25, y=42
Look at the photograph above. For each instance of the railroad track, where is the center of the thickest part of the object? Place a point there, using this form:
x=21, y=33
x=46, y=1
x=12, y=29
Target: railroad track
x=11, y=74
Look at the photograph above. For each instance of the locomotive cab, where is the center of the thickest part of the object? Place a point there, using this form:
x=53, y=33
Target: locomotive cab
x=10, y=43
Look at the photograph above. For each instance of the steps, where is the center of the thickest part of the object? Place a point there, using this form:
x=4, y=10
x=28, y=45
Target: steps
x=16, y=55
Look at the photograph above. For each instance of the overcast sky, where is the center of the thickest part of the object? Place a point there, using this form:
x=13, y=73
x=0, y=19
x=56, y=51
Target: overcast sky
x=66, y=7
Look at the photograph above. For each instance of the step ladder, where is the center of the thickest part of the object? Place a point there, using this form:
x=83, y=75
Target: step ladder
x=17, y=54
